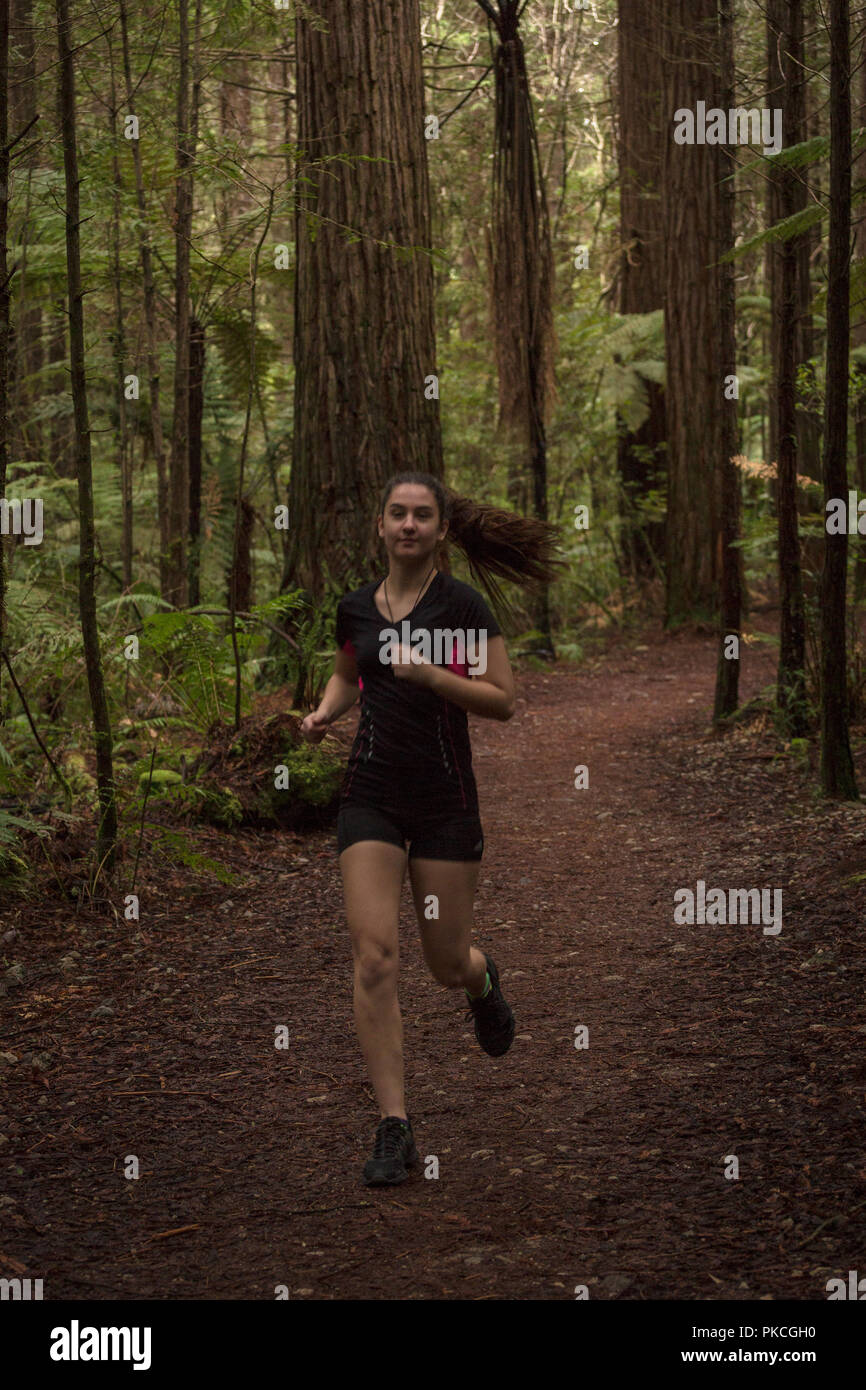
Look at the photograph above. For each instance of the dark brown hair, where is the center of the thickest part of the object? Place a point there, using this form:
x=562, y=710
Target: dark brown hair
x=496, y=543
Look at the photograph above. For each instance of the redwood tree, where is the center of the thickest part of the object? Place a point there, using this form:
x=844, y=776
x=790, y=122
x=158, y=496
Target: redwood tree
x=107, y=832
x=858, y=331
x=694, y=390
x=784, y=50
x=24, y=387
x=521, y=262
x=731, y=561
x=366, y=404
x=643, y=128
x=837, y=766
x=4, y=296
x=149, y=292
x=187, y=122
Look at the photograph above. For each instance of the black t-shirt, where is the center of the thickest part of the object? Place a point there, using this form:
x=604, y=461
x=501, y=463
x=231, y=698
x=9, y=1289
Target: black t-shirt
x=411, y=750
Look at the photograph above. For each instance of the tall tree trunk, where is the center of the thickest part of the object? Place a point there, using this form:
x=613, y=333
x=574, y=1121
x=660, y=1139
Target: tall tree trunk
x=196, y=409
x=808, y=412
x=179, y=462
x=643, y=129
x=235, y=114
x=239, y=576
x=785, y=31
x=521, y=259
x=467, y=314
x=787, y=82
x=178, y=581
x=4, y=304
x=364, y=327
x=858, y=336
x=25, y=428
x=808, y=416
x=731, y=577
x=60, y=443
x=774, y=36
x=149, y=287
x=694, y=391
x=124, y=449
x=106, y=840
x=286, y=137
x=837, y=766
x=241, y=582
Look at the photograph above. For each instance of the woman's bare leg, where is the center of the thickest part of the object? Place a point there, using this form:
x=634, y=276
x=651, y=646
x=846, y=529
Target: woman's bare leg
x=373, y=874
x=446, y=940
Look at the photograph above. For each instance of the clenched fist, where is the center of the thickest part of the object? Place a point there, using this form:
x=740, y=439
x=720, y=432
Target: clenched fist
x=314, y=727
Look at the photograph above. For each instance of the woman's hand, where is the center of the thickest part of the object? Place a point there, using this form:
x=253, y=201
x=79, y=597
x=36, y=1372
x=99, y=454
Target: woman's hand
x=405, y=669
x=314, y=727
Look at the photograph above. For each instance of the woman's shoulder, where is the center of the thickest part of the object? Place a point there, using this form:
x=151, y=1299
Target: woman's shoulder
x=356, y=598
x=459, y=592
x=468, y=606
x=456, y=588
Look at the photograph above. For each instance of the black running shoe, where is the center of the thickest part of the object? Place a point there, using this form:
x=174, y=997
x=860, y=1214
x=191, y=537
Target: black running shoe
x=393, y=1151
x=494, y=1021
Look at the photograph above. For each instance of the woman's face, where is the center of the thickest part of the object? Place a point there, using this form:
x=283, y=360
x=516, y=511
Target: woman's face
x=410, y=524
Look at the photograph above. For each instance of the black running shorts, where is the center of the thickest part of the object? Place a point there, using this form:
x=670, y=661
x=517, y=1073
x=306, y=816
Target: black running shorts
x=440, y=835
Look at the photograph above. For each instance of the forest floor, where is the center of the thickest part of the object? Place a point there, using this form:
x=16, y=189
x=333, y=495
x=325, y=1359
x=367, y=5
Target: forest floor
x=558, y=1166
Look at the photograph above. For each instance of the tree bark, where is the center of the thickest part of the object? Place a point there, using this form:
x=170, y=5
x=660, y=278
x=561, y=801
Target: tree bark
x=235, y=111
x=784, y=47
x=364, y=327
x=4, y=302
x=149, y=288
x=520, y=252
x=60, y=432
x=808, y=416
x=239, y=578
x=124, y=447
x=731, y=577
x=774, y=34
x=694, y=378
x=25, y=429
x=106, y=839
x=178, y=579
x=196, y=409
x=837, y=766
x=643, y=128
x=858, y=337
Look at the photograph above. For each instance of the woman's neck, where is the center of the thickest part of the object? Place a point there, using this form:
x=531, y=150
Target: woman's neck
x=405, y=580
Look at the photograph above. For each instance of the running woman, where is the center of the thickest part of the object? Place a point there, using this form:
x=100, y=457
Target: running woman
x=409, y=774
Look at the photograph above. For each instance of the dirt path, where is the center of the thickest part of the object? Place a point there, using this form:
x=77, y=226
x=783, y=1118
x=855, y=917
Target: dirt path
x=603, y=1166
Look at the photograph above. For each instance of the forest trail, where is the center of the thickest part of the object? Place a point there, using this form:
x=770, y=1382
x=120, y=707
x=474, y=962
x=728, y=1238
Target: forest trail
x=558, y=1167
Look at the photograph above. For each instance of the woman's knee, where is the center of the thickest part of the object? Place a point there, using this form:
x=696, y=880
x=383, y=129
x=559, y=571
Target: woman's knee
x=376, y=963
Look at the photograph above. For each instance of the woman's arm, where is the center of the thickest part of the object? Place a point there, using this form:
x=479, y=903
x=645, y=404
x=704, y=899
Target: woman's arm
x=490, y=695
x=339, y=694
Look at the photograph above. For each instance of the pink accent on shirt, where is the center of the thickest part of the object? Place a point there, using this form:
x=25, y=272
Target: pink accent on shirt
x=459, y=668
x=350, y=648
